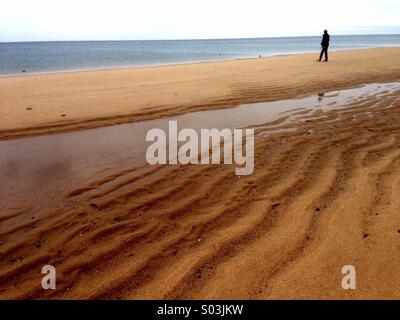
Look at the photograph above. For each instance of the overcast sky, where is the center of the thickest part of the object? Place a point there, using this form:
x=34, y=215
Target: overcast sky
x=39, y=20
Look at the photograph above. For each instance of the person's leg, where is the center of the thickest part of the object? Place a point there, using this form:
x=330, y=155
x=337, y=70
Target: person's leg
x=326, y=54
x=322, y=53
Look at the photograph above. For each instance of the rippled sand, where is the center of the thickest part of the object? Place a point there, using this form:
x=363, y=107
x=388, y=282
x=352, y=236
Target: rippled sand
x=324, y=194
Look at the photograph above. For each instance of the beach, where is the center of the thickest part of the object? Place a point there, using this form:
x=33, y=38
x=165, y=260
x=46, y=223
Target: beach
x=323, y=194
x=69, y=101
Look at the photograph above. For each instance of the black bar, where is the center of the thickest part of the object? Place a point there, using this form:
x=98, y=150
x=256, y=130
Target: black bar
x=198, y=309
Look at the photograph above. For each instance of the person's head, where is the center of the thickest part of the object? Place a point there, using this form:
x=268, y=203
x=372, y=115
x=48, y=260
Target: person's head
x=325, y=31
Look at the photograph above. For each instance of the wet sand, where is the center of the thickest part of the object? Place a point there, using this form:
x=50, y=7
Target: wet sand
x=324, y=194
x=38, y=170
x=39, y=104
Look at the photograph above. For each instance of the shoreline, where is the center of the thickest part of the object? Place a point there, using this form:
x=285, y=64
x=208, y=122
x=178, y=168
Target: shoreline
x=173, y=64
x=87, y=99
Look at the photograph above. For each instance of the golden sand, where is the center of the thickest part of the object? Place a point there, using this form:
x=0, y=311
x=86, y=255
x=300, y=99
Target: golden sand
x=324, y=192
x=79, y=100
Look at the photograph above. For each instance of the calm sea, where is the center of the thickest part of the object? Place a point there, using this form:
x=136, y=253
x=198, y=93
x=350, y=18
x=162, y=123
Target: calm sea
x=43, y=57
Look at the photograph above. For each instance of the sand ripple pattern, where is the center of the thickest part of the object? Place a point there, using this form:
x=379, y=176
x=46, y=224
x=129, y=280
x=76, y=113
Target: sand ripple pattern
x=324, y=194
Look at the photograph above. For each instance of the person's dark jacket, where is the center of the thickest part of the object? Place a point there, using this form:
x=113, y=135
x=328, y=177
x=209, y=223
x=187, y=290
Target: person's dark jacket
x=325, y=40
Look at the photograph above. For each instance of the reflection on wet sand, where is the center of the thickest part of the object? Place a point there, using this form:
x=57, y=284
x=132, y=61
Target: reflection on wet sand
x=323, y=194
x=38, y=171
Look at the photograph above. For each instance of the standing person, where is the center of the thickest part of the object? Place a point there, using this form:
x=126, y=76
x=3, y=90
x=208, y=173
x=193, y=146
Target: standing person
x=325, y=45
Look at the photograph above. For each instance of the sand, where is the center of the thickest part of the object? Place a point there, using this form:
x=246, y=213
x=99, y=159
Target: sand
x=68, y=101
x=324, y=192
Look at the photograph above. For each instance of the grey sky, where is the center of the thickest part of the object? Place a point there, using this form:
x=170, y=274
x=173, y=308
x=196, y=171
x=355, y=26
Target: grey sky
x=39, y=20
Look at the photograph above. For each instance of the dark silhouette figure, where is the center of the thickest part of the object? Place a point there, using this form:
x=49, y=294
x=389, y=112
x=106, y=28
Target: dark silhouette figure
x=325, y=46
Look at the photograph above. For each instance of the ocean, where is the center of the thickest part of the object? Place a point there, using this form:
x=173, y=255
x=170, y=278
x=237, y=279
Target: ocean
x=46, y=57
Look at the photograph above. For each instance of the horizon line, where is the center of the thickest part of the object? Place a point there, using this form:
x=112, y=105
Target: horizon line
x=202, y=39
